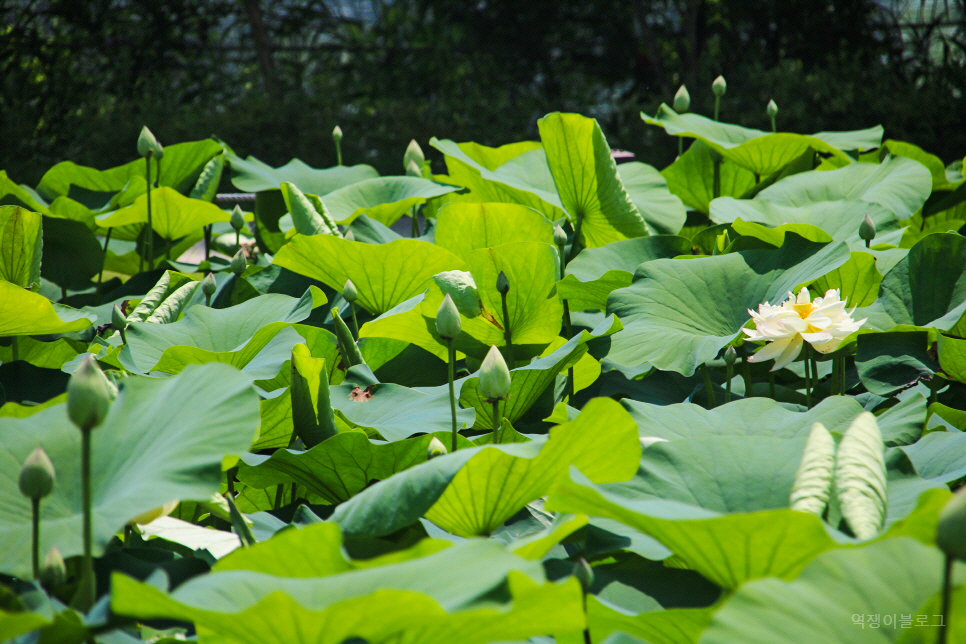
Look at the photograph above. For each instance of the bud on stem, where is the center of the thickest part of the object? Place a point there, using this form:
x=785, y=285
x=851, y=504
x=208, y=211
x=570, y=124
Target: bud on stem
x=682, y=100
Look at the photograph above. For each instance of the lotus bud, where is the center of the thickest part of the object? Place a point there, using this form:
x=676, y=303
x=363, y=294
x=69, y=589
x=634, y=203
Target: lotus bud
x=682, y=100
x=951, y=528
x=494, y=376
x=239, y=263
x=448, y=323
x=719, y=86
x=237, y=218
x=772, y=108
x=37, y=475
x=89, y=395
x=730, y=356
x=436, y=448
x=349, y=291
x=118, y=319
x=584, y=574
x=337, y=134
x=53, y=572
x=502, y=283
x=414, y=170
x=414, y=154
x=148, y=145
x=867, y=229
x=209, y=285
x=559, y=236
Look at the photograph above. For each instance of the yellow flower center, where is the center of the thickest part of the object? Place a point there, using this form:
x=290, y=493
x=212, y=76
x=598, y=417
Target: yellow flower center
x=803, y=310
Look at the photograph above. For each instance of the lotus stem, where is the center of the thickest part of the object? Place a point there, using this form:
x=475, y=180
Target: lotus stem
x=86, y=592
x=574, y=246
x=100, y=276
x=497, y=422
x=746, y=371
x=808, y=380
x=414, y=214
x=842, y=375
x=35, y=536
x=451, y=376
x=814, y=373
x=238, y=238
x=731, y=374
x=708, y=387
x=834, y=380
x=680, y=146
x=208, y=244
x=355, y=320
x=507, y=333
x=947, y=596
x=771, y=384
x=717, y=106
x=568, y=329
x=149, y=241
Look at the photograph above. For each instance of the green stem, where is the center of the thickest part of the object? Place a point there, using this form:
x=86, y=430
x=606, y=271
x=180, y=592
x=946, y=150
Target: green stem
x=868, y=243
x=680, y=146
x=355, y=320
x=207, y=300
x=745, y=370
x=100, y=276
x=87, y=590
x=575, y=244
x=414, y=214
x=507, y=333
x=569, y=331
x=497, y=423
x=35, y=537
x=587, y=639
x=451, y=376
x=808, y=381
x=834, y=381
x=238, y=238
x=338, y=152
x=149, y=242
x=774, y=128
x=814, y=373
x=708, y=388
x=717, y=105
x=947, y=597
x=842, y=376
x=771, y=384
x=208, y=245
x=731, y=374
x=157, y=174
x=279, y=496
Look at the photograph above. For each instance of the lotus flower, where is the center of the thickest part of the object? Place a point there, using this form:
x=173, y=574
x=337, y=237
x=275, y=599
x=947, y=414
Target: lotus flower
x=822, y=322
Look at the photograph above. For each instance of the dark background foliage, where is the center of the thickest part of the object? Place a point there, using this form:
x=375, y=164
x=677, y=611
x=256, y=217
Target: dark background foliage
x=80, y=77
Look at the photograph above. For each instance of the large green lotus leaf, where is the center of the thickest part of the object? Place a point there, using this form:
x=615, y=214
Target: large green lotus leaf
x=663, y=212
x=252, y=175
x=598, y=441
x=172, y=215
x=941, y=222
x=494, y=485
x=893, y=361
x=898, y=185
x=952, y=357
x=47, y=355
x=528, y=382
x=934, y=164
x=384, y=199
x=385, y=275
x=673, y=626
x=12, y=194
x=691, y=178
x=235, y=335
x=395, y=412
x=587, y=181
x=532, y=269
x=678, y=314
x=162, y=440
x=938, y=456
x=21, y=245
x=180, y=167
x=72, y=255
x=761, y=152
x=24, y=312
x=857, y=280
x=888, y=578
x=596, y=272
x=726, y=549
x=384, y=616
x=523, y=177
x=340, y=467
x=839, y=218
x=462, y=227
x=927, y=288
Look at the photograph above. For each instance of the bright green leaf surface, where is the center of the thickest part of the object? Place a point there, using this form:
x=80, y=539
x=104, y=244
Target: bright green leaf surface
x=462, y=228
x=691, y=177
x=21, y=246
x=663, y=212
x=172, y=215
x=384, y=199
x=23, y=312
x=253, y=175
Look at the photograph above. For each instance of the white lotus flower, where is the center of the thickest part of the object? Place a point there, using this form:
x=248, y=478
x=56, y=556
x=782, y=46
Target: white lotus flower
x=822, y=322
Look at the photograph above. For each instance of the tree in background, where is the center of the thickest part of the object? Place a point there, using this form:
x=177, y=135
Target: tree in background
x=272, y=78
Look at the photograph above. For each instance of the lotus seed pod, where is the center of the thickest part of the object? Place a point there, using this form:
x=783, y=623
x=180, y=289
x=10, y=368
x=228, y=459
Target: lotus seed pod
x=951, y=528
x=148, y=145
x=414, y=154
x=349, y=291
x=337, y=134
x=37, y=475
x=867, y=229
x=89, y=395
x=53, y=572
x=494, y=376
x=682, y=100
x=559, y=236
x=209, y=285
x=436, y=448
x=237, y=218
x=118, y=320
x=719, y=86
x=730, y=356
x=502, y=283
x=584, y=574
x=772, y=108
x=448, y=323
x=414, y=170
x=239, y=263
